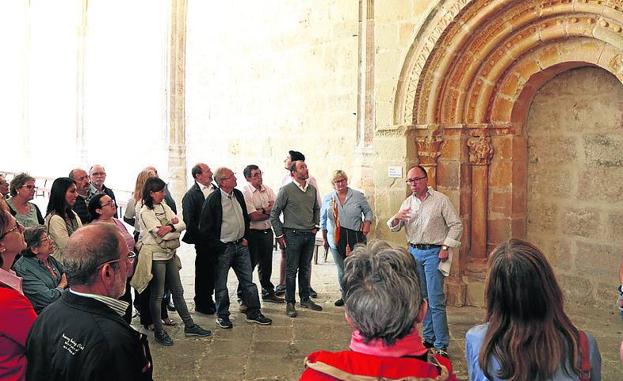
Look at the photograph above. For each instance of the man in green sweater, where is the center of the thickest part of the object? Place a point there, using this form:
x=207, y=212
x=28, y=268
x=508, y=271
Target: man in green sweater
x=301, y=215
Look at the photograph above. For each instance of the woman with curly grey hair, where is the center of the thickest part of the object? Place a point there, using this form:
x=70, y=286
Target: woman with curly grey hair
x=384, y=304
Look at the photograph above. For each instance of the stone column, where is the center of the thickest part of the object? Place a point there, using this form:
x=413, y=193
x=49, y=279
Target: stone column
x=480, y=155
x=428, y=147
x=177, y=90
x=365, y=83
x=81, y=143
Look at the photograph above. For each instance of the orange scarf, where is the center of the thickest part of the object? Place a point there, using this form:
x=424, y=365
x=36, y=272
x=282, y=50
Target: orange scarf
x=336, y=218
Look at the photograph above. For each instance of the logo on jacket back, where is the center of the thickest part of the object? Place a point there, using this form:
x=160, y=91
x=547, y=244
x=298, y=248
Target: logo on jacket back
x=71, y=346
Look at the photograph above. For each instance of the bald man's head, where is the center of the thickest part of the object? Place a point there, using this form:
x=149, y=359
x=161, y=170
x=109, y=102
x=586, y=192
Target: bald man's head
x=87, y=249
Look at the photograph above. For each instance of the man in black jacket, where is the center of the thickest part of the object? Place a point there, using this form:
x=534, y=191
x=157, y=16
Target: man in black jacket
x=83, y=336
x=205, y=261
x=224, y=223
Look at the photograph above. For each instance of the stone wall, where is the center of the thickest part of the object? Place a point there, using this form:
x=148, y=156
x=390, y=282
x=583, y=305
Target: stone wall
x=575, y=177
x=271, y=76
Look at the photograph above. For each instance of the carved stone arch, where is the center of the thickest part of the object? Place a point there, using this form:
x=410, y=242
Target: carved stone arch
x=470, y=76
x=465, y=47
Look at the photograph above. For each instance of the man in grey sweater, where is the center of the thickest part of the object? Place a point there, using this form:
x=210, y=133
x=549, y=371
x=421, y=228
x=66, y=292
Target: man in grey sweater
x=301, y=215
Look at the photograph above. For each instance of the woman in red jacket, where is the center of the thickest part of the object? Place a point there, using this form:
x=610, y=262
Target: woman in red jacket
x=16, y=314
x=383, y=306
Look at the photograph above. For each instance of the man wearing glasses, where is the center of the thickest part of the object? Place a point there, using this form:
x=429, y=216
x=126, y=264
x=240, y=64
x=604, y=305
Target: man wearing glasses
x=224, y=223
x=260, y=200
x=432, y=226
x=83, y=336
x=97, y=175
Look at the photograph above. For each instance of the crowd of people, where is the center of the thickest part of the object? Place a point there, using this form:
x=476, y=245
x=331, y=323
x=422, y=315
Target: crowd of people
x=66, y=278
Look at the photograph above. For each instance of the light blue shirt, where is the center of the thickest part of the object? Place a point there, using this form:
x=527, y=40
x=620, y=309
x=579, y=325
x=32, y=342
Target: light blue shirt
x=473, y=342
x=355, y=206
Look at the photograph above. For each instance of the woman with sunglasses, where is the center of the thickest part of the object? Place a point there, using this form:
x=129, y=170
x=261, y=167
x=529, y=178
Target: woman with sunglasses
x=102, y=208
x=16, y=314
x=60, y=220
x=43, y=276
x=22, y=189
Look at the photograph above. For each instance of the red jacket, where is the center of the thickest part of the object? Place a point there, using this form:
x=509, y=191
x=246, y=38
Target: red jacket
x=16, y=318
x=325, y=366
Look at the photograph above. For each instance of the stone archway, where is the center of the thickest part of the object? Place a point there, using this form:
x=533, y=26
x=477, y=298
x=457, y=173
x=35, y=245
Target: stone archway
x=466, y=88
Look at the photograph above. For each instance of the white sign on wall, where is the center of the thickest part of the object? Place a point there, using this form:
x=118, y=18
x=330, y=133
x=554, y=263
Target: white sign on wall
x=395, y=172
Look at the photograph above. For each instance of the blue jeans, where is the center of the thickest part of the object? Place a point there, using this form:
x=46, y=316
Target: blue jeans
x=236, y=257
x=299, y=253
x=431, y=281
x=339, y=264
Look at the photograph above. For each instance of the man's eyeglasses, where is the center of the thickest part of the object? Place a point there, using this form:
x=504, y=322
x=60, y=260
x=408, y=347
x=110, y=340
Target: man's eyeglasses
x=130, y=258
x=414, y=179
x=98, y=174
x=17, y=226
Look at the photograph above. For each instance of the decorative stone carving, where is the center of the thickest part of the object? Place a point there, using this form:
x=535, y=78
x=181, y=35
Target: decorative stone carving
x=480, y=149
x=466, y=47
x=428, y=148
x=616, y=63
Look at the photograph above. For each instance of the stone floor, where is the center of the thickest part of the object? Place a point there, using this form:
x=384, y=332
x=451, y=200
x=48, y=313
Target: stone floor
x=252, y=352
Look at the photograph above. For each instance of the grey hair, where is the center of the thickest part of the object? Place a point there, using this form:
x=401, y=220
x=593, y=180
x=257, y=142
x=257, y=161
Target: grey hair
x=382, y=291
x=219, y=174
x=87, y=249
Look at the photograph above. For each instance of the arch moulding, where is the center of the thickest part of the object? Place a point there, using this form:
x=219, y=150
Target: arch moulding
x=469, y=79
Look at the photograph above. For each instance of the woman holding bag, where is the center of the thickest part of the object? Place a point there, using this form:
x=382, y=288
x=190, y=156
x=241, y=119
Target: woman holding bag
x=345, y=221
x=159, y=239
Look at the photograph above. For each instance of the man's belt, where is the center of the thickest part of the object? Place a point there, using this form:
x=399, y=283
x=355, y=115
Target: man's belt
x=424, y=246
x=234, y=242
x=265, y=231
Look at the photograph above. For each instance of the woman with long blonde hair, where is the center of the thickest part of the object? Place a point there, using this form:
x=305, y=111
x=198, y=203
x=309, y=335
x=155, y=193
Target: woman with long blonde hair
x=130, y=211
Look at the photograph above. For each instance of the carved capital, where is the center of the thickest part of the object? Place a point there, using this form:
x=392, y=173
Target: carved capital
x=428, y=148
x=480, y=148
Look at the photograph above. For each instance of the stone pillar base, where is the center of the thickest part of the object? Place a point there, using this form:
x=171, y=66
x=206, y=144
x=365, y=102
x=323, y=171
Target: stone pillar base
x=455, y=290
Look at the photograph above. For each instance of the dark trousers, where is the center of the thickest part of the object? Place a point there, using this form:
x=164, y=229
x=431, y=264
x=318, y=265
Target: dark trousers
x=350, y=238
x=127, y=297
x=299, y=253
x=235, y=256
x=141, y=302
x=261, y=250
x=205, y=270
